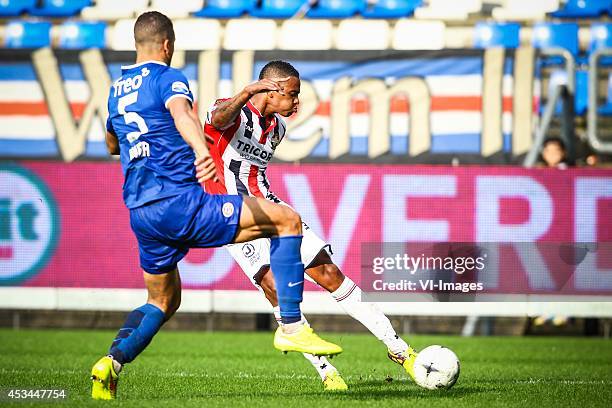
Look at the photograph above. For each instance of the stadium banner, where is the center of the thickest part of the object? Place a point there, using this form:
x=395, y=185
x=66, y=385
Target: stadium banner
x=387, y=106
x=65, y=225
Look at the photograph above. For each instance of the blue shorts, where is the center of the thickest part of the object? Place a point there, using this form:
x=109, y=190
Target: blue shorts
x=166, y=229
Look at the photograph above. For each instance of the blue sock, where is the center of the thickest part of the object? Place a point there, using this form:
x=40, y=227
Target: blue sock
x=139, y=328
x=288, y=272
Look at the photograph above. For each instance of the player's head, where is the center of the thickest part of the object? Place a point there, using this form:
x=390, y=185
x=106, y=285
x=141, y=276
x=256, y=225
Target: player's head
x=154, y=36
x=286, y=104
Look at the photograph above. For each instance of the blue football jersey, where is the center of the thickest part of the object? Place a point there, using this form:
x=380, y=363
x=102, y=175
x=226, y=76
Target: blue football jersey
x=156, y=161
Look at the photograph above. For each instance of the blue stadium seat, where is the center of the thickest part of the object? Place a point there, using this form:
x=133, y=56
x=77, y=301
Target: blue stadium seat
x=487, y=35
x=391, y=8
x=562, y=35
x=13, y=8
x=606, y=110
x=336, y=8
x=582, y=9
x=27, y=34
x=601, y=37
x=82, y=34
x=277, y=8
x=59, y=8
x=556, y=35
x=226, y=8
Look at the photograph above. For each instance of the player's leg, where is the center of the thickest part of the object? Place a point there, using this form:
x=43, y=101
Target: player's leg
x=348, y=295
x=225, y=219
x=158, y=258
x=164, y=297
x=261, y=218
x=332, y=380
x=253, y=257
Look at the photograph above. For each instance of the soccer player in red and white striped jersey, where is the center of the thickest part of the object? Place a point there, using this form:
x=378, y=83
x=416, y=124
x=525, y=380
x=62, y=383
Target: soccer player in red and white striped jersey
x=243, y=133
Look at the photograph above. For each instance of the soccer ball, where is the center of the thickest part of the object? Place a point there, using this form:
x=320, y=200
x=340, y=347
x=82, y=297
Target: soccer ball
x=436, y=367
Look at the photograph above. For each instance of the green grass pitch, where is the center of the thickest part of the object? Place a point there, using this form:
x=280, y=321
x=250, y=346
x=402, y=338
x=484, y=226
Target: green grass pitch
x=196, y=369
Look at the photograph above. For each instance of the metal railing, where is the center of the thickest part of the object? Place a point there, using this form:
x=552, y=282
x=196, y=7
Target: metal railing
x=565, y=93
x=592, y=132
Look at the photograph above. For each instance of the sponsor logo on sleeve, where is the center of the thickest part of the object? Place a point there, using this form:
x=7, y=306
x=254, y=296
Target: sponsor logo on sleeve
x=180, y=87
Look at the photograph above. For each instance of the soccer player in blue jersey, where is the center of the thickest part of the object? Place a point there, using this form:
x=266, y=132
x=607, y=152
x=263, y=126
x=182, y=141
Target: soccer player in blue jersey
x=154, y=129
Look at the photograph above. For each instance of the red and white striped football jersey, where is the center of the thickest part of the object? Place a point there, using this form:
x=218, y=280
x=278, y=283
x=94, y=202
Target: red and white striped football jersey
x=242, y=152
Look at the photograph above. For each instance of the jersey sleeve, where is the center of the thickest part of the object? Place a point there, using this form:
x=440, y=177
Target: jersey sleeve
x=109, y=126
x=173, y=84
x=210, y=113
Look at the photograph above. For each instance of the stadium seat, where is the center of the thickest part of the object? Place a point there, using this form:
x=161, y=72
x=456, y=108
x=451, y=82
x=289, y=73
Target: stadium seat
x=559, y=35
x=582, y=9
x=601, y=36
x=250, y=34
x=11, y=8
x=197, y=34
x=114, y=9
x=82, y=34
x=225, y=8
x=390, y=8
x=177, y=9
x=448, y=10
x=27, y=34
x=606, y=110
x=487, y=35
x=277, y=8
x=320, y=34
x=418, y=35
x=525, y=10
x=59, y=8
x=336, y=8
x=362, y=35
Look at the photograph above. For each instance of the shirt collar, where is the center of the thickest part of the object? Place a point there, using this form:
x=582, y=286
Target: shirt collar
x=124, y=67
x=253, y=109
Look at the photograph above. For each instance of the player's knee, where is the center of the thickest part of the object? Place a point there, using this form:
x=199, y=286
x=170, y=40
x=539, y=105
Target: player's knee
x=291, y=223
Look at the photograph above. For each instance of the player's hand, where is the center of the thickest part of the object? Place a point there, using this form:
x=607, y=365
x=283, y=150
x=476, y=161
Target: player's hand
x=267, y=85
x=205, y=169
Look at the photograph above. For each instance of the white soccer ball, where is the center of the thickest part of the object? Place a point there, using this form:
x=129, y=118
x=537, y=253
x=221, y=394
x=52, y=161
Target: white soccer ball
x=436, y=367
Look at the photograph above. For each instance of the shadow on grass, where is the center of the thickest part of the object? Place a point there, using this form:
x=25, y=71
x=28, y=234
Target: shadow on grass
x=366, y=390
x=374, y=389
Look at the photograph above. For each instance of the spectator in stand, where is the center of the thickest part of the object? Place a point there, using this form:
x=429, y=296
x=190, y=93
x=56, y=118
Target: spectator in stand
x=553, y=154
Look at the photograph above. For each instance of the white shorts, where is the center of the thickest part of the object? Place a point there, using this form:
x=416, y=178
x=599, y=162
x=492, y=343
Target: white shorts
x=254, y=255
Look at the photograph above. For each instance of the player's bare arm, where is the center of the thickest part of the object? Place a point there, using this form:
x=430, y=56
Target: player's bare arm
x=190, y=128
x=112, y=143
x=227, y=111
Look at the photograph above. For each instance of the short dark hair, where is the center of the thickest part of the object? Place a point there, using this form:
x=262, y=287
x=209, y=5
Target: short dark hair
x=554, y=140
x=278, y=69
x=153, y=27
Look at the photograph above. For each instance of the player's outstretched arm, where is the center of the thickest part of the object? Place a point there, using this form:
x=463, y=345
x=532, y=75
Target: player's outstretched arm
x=190, y=128
x=227, y=111
x=112, y=143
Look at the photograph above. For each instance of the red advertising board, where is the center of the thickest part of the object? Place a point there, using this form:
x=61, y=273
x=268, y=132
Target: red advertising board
x=65, y=225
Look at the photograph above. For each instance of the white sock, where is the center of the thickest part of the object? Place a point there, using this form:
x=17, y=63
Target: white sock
x=290, y=327
x=348, y=296
x=321, y=364
x=116, y=365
